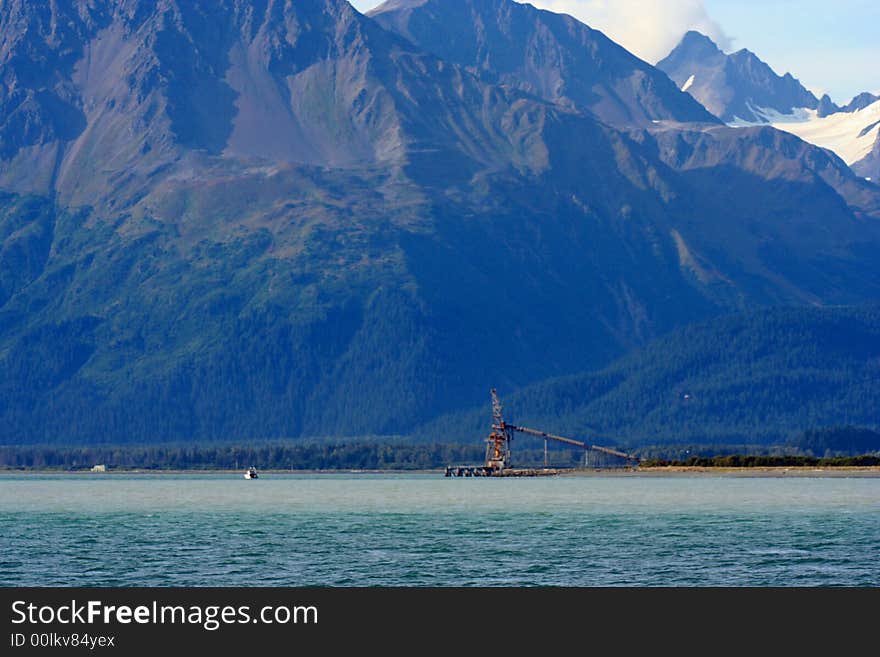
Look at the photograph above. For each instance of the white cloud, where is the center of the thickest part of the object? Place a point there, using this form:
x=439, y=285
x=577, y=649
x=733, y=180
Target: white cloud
x=647, y=28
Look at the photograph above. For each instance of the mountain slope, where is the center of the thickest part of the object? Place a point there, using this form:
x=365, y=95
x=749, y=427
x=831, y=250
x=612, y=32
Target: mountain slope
x=767, y=154
x=869, y=166
x=131, y=92
x=552, y=56
x=752, y=378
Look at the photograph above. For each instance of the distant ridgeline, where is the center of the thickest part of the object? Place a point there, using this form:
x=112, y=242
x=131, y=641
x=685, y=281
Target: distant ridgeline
x=842, y=446
x=839, y=441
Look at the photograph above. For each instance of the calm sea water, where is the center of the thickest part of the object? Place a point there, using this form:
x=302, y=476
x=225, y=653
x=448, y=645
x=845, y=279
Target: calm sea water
x=407, y=530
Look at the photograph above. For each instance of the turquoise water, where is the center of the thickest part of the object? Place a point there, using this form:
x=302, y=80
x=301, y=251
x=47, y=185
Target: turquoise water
x=406, y=530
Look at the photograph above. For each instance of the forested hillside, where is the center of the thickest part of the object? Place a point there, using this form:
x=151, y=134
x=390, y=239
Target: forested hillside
x=762, y=377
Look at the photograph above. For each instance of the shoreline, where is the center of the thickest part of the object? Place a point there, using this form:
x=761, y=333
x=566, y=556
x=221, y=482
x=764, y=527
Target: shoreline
x=764, y=471
x=653, y=471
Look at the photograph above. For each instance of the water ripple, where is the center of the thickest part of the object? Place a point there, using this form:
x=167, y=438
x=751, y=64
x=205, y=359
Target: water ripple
x=413, y=531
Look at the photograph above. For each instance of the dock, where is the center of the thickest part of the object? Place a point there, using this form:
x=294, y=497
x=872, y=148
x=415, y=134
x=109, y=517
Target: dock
x=486, y=471
x=497, y=462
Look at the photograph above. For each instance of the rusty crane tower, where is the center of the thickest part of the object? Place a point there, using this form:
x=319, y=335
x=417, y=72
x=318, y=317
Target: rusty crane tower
x=498, y=442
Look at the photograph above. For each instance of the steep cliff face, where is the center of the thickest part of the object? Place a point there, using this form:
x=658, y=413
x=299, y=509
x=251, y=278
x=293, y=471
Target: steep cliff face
x=869, y=166
x=734, y=87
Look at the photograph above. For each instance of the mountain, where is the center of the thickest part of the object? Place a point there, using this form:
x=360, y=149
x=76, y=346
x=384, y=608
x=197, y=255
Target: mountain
x=753, y=378
x=233, y=220
x=736, y=88
x=826, y=107
x=549, y=55
x=744, y=91
x=860, y=102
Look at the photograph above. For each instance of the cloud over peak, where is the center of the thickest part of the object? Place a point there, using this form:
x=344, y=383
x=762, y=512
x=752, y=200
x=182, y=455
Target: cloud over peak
x=647, y=28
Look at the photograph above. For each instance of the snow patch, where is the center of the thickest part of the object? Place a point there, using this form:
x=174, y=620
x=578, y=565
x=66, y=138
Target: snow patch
x=768, y=115
x=690, y=81
x=843, y=133
x=850, y=135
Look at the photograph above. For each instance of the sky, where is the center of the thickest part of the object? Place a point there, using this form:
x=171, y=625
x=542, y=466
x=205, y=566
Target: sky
x=831, y=46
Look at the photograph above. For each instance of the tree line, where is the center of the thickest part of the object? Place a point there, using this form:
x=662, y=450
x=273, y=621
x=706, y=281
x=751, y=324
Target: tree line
x=758, y=461
x=316, y=456
x=403, y=456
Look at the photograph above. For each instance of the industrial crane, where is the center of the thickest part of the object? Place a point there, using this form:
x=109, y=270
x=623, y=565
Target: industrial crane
x=498, y=442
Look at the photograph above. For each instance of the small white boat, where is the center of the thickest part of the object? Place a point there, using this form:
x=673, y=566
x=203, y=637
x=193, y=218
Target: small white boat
x=251, y=473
